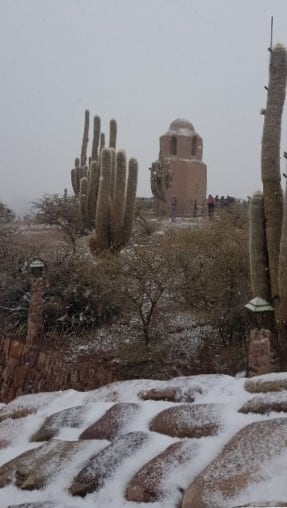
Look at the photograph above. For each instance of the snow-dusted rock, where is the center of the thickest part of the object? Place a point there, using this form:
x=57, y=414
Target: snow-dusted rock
x=149, y=483
x=104, y=463
x=189, y=420
x=37, y=467
x=265, y=403
x=240, y=464
x=71, y=417
x=112, y=423
x=172, y=394
x=275, y=382
x=100, y=474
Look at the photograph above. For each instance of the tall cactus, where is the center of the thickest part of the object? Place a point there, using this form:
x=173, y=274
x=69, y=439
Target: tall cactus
x=270, y=161
x=116, y=202
x=106, y=189
x=269, y=249
x=90, y=170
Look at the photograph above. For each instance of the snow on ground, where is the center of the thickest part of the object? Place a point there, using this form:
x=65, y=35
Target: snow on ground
x=227, y=392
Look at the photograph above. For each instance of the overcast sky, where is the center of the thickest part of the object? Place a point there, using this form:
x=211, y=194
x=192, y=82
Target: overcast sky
x=143, y=62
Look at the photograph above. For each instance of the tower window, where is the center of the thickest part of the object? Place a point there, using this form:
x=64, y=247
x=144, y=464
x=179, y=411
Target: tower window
x=194, y=144
x=173, y=146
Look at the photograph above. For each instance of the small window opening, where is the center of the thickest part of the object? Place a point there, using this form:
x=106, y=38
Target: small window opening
x=173, y=146
x=194, y=145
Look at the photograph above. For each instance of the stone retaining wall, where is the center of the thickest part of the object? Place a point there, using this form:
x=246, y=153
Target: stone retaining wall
x=31, y=369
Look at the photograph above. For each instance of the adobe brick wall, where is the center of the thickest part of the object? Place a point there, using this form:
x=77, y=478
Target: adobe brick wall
x=188, y=185
x=189, y=181
x=31, y=369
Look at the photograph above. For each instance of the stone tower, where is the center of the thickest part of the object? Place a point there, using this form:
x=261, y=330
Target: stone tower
x=181, y=156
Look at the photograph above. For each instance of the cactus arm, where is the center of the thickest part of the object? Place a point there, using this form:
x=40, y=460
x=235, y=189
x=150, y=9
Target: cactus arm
x=74, y=181
x=113, y=134
x=130, y=201
x=75, y=177
x=102, y=142
x=83, y=202
x=102, y=220
x=96, y=138
x=93, y=185
x=85, y=139
x=118, y=203
x=114, y=172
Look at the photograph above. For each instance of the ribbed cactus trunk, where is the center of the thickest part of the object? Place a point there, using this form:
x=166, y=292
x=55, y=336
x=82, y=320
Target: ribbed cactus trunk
x=282, y=313
x=85, y=139
x=106, y=189
x=283, y=265
x=130, y=201
x=113, y=134
x=118, y=209
x=83, y=203
x=259, y=270
x=270, y=165
x=275, y=216
x=93, y=187
x=102, y=142
x=96, y=138
x=102, y=220
x=116, y=202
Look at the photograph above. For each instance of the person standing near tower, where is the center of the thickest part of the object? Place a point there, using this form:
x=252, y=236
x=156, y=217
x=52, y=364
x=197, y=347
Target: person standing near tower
x=210, y=206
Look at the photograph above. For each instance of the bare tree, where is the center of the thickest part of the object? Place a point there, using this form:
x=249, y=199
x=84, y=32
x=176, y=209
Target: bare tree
x=60, y=211
x=147, y=276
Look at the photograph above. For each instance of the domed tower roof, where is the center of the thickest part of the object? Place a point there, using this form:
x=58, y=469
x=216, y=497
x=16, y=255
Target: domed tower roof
x=181, y=127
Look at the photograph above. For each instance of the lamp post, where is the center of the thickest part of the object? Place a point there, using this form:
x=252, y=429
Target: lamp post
x=259, y=339
x=37, y=267
x=35, y=315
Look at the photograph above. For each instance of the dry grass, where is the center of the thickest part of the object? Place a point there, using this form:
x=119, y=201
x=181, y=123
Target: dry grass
x=42, y=239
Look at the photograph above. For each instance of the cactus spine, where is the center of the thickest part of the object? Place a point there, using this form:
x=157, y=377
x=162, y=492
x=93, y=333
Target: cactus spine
x=274, y=246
